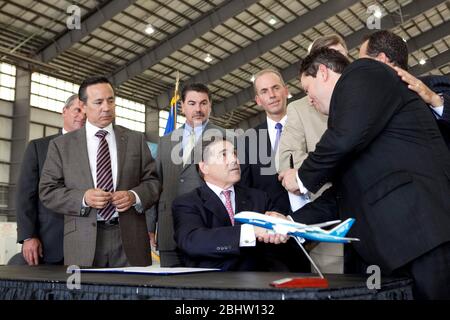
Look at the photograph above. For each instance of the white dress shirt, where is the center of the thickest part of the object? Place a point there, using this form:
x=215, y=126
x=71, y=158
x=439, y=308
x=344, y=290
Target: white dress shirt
x=92, y=147
x=247, y=238
x=272, y=131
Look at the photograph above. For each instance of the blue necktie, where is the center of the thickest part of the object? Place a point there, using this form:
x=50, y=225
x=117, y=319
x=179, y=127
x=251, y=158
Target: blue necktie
x=279, y=128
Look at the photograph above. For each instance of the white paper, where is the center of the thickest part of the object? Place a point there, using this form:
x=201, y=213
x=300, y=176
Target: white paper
x=150, y=270
x=298, y=201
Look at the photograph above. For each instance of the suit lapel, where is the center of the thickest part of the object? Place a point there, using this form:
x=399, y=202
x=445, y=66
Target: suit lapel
x=213, y=204
x=82, y=156
x=121, y=142
x=243, y=201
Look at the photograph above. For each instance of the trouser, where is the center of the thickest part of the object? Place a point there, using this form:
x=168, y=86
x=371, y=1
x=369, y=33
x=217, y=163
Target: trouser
x=109, y=250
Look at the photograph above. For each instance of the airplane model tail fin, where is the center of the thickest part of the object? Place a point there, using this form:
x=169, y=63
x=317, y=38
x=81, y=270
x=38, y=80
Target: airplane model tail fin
x=341, y=229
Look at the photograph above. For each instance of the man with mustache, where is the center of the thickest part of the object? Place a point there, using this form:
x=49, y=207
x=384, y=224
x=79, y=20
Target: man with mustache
x=102, y=178
x=175, y=163
x=205, y=230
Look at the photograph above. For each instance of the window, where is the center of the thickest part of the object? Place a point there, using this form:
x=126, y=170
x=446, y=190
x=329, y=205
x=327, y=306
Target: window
x=163, y=115
x=7, y=81
x=50, y=93
x=130, y=114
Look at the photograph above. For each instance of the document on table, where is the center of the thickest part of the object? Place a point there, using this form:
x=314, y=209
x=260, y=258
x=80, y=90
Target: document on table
x=150, y=270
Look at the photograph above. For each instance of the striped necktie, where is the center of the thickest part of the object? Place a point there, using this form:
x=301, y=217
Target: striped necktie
x=104, y=173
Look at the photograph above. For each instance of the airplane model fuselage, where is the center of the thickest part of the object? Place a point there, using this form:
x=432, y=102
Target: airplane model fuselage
x=295, y=229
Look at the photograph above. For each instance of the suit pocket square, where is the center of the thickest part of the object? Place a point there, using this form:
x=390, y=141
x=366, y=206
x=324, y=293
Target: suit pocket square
x=386, y=185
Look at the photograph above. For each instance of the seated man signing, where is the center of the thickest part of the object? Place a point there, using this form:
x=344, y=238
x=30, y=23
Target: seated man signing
x=205, y=230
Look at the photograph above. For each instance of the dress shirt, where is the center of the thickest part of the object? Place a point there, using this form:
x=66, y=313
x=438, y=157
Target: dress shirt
x=187, y=132
x=247, y=238
x=272, y=131
x=92, y=147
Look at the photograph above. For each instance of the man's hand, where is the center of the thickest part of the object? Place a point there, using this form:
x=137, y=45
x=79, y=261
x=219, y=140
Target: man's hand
x=97, y=198
x=427, y=95
x=31, y=251
x=277, y=215
x=153, y=242
x=288, y=179
x=123, y=200
x=268, y=237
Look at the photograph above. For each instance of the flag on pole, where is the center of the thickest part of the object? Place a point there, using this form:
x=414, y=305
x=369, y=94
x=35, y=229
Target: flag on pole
x=172, y=119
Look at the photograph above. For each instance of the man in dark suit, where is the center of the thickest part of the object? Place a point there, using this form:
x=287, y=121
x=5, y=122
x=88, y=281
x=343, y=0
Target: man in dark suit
x=262, y=142
x=261, y=146
x=40, y=230
x=389, y=48
x=205, y=230
x=389, y=166
x=102, y=178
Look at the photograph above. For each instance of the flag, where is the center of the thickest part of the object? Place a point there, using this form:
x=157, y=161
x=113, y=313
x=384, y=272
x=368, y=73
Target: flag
x=172, y=119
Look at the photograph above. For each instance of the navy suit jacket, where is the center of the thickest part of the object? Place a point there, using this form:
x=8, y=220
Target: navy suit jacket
x=33, y=219
x=204, y=233
x=252, y=175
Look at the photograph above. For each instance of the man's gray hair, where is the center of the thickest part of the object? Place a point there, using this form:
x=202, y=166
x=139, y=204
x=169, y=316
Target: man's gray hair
x=70, y=101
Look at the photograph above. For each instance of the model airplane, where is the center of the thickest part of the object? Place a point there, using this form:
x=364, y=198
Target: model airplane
x=312, y=232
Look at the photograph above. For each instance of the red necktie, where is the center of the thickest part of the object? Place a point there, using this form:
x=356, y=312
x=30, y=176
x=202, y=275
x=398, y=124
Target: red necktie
x=228, y=205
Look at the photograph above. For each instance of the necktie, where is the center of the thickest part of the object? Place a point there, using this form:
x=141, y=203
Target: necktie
x=279, y=128
x=104, y=173
x=228, y=205
x=188, y=147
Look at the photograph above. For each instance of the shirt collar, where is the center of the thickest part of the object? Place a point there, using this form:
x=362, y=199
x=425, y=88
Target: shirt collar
x=218, y=190
x=271, y=124
x=91, y=130
x=198, y=129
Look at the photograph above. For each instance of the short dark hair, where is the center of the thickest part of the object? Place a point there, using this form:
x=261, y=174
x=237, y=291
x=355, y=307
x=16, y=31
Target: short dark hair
x=206, y=145
x=331, y=58
x=393, y=46
x=89, y=82
x=198, y=87
x=328, y=41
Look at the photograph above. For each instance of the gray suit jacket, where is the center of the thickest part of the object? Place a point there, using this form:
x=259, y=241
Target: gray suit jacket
x=65, y=178
x=176, y=180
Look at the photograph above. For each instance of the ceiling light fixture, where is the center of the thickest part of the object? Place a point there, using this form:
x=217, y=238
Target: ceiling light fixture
x=272, y=21
x=252, y=79
x=149, y=29
x=422, y=61
x=289, y=96
x=378, y=14
x=208, y=58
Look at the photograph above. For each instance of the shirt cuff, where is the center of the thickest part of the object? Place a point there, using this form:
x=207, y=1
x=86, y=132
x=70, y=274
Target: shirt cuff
x=248, y=238
x=83, y=204
x=438, y=111
x=302, y=188
x=137, y=205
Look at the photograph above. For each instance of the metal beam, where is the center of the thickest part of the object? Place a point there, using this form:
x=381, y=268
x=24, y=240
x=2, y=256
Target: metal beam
x=289, y=73
x=418, y=70
x=263, y=45
x=88, y=25
x=178, y=40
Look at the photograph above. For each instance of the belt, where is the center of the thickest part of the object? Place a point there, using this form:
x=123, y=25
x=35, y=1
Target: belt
x=110, y=222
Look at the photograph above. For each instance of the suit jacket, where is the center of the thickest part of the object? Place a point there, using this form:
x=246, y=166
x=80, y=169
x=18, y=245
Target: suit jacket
x=176, y=180
x=66, y=176
x=304, y=128
x=33, y=219
x=258, y=168
x=388, y=163
x=441, y=85
x=204, y=233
